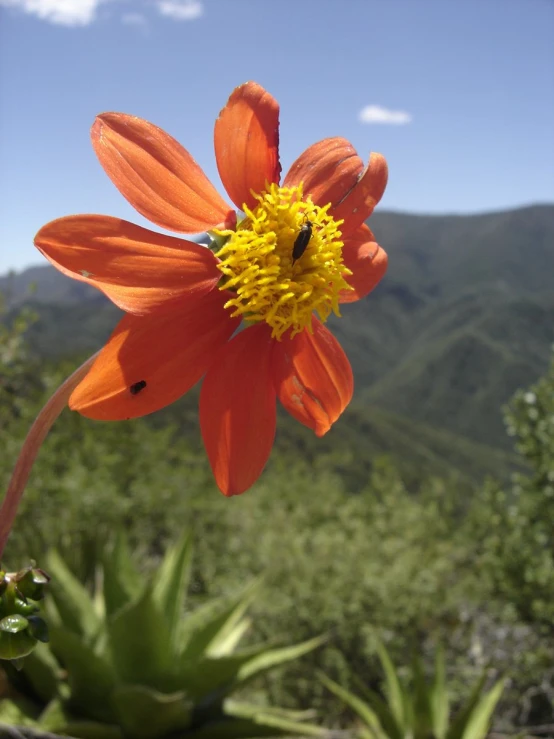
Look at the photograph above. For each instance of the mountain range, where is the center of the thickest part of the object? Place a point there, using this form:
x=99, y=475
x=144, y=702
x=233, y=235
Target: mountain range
x=462, y=319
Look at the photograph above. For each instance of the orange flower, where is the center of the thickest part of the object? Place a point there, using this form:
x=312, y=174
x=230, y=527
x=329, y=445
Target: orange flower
x=184, y=302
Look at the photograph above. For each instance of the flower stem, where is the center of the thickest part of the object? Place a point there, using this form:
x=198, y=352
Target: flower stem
x=37, y=434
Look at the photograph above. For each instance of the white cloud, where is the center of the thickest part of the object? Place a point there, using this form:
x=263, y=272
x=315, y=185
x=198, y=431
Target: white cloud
x=181, y=10
x=62, y=12
x=378, y=114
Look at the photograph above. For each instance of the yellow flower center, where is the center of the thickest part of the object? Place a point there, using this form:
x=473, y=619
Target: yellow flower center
x=283, y=262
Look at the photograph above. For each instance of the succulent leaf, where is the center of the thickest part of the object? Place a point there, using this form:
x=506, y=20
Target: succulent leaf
x=122, y=583
x=144, y=713
x=171, y=584
x=140, y=644
x=73, y=602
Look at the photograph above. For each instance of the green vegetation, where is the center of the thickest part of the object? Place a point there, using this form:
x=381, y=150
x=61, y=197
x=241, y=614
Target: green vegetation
x=386, y=525
x=422, y=709
x=462, y=320
x=124, y=662
x=519, y=546
x=21, y=624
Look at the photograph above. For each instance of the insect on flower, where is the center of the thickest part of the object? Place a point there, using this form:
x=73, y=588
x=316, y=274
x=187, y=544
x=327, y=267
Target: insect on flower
x=136, y=387
x=184, y=302
x=302, y=240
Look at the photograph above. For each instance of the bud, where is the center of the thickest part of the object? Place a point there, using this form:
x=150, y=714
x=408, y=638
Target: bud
x=31, y=582
x=20, y=625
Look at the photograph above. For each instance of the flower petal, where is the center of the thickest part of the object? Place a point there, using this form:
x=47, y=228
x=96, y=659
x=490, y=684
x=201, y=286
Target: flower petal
x=139, y=270
x=328, y=170
x=157, y=175
x=359, y=202
x=169, y=353
x=237, y=410
x=246, y=140
x=333, y=173
x=366, y=260
x=313, y=377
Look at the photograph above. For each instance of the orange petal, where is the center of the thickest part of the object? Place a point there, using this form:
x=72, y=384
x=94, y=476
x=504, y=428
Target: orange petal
x=169, y=353
x=313, y=377
x=328, y=169
x=366, y=260
x=333, y=173
x=246, y=139
x=237, y=410
x=359, y=202
x=157, y=175
x=139, y=270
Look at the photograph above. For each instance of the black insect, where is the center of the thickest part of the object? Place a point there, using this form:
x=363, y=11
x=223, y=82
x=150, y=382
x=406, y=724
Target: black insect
x=136, y=387
x=302, y=240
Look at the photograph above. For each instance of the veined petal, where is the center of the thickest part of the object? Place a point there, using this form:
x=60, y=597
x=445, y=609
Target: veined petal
x=328, y=170
x=151, y=361
x=139, y=270
x=246, y=140
x=366, y=260
x=313, y=377
x=361, y=199
x=237, y=410
x=332, y=172
x=157, y=175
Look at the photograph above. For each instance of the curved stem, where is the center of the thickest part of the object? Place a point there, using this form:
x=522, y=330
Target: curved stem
x=37, y=434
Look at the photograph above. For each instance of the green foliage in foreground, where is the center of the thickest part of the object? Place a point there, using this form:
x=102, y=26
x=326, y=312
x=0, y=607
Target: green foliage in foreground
x=345, y=545
x=125, y=663
x=21, y=625
x=518, y=549
x=422, y=710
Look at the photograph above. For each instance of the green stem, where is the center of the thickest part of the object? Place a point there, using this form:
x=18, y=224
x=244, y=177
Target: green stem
x=37, y=434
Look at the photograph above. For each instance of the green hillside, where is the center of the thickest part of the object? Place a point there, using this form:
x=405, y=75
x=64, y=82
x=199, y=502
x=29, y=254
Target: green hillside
x=360, y=436
x=462, y=319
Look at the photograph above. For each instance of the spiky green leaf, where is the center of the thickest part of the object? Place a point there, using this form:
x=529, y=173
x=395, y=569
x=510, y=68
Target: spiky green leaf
x=383, y=711
x=171, y=584
x=439, y=698
x=91, y=677
x=207, y=629
x=73, y=603
x=58, y=719
x=42, y=671
x=458, y=725
x=122, y=583
x=478, y=722
x=227, y=644
x=418, y=712
x=393, y=689
x=93, y=730
x=140, y=644
x=244, y=721
x=270, y=658
x=144, y=713
x=18, y=712
x=360, y=707
x=211, y=678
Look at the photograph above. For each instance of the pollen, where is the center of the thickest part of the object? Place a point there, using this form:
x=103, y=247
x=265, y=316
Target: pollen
x=258, y=267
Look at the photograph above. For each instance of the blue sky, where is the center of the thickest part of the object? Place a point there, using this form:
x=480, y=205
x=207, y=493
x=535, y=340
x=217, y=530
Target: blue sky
x=458, y=95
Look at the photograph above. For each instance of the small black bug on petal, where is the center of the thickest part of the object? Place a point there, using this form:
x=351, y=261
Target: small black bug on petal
x=302, y=240
x=136, y=387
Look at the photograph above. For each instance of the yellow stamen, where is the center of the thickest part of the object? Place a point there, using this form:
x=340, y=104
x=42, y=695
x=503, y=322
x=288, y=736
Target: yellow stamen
x=258, y=267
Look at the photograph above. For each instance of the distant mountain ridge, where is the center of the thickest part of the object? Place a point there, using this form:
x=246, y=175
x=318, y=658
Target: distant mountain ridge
x=464, y=316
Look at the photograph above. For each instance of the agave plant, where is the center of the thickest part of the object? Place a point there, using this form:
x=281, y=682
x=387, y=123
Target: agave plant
x=126, y=662
x=422, y=712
